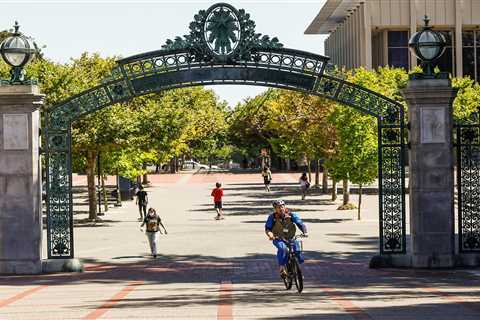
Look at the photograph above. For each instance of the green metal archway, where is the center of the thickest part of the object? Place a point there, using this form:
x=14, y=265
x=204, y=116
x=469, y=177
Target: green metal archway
x=223, y=48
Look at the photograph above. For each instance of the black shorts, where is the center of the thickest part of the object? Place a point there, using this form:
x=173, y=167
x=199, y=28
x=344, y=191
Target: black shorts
x=218, y=204
x=266, y=181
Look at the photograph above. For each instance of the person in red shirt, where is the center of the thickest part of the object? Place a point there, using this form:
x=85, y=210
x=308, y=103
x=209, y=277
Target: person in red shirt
x=217, y=195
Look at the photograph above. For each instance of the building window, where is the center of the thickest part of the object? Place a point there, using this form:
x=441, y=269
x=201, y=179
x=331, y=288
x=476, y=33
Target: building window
x=446, y=62
x=471, y=52
x=398, y=49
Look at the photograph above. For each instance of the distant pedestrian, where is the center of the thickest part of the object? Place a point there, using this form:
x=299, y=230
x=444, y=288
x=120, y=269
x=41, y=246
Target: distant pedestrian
x=153, y=222
x=267, y=178
x=217, y=195
x=304, y=185
x=142, y=201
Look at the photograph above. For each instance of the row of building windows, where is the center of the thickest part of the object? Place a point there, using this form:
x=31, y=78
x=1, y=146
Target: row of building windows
x=398, y=55
x=471, y=54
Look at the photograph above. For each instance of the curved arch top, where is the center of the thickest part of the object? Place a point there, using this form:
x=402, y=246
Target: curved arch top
x=276, y=67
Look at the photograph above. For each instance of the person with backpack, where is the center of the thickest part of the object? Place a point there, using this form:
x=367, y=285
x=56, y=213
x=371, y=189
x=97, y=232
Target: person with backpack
x=217, y=195
x=304, y=185
x=267, y=178
x=281, y=225
x=153, y=222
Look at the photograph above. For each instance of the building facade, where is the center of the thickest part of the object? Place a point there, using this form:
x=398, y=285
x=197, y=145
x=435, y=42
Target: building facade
x=373, y=33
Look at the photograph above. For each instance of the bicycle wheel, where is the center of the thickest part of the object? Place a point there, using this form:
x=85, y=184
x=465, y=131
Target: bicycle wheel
x=288, y=279
x=297, y=275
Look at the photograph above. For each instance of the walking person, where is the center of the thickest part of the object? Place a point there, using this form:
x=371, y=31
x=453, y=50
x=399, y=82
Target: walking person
x=153, y=222
x=142, y=201
x=267, y=178
x=304, y=185
x=217, y=195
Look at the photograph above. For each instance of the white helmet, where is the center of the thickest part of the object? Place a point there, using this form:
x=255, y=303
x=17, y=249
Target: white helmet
x=278, y=203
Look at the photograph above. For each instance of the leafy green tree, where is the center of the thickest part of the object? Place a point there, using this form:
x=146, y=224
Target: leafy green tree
x=357, y=133
x=301, y=126
x=248, y=130
x=356, y=153
x=468, y=98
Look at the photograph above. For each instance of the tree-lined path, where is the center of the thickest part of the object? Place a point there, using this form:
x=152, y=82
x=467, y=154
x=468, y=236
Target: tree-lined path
x=226, y=269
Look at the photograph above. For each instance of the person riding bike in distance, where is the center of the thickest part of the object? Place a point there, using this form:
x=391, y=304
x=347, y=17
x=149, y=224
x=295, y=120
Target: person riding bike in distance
x=281, y=225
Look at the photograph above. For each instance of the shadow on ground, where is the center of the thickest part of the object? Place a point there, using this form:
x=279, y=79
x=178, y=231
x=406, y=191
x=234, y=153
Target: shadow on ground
x=329, y=276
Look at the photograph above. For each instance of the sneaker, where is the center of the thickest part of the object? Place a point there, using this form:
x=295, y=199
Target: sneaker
x=217, y=218
x=154, y=256
x=139, y=219
x=222, y=218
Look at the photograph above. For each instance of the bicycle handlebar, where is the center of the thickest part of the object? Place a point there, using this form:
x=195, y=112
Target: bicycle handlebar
x=302, y=235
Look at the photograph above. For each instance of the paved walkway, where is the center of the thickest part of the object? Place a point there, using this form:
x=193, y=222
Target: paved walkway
x=226, y=270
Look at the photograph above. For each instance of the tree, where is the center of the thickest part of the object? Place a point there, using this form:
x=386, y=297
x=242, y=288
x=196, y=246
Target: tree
x=103, y=131
x=301, y=123
x=468, y=98
x=355, y=155
x=247, y=129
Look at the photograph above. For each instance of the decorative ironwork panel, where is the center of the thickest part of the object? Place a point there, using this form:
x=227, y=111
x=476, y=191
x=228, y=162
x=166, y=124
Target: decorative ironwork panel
x=468, y=186
x=391, y=192
x=59, y=205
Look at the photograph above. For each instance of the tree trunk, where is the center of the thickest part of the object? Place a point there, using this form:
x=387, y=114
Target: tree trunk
x=346, y=192
x=119, y=194
x=104, y=191
x=287, y=162
x=145, y=175
x=359, y=200
x=334, y=189
x=92, y=197
x=172, y=165
x=325, y=180
x=317, y=174
x=309, y=168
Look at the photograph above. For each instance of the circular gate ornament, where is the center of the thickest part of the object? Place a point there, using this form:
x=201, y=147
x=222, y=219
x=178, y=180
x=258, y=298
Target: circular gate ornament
x=222, y=29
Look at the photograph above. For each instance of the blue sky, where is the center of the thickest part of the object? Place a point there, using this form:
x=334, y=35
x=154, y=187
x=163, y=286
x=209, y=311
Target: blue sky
x=123, y=28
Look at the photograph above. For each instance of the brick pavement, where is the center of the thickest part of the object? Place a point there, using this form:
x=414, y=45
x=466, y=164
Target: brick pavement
x=226, y=269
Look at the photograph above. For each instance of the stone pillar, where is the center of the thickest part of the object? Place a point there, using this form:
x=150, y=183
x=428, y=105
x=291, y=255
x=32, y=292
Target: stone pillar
x=20, y=180
x=431, y=180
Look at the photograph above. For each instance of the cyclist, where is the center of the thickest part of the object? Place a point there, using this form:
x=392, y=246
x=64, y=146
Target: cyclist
x=281, y=225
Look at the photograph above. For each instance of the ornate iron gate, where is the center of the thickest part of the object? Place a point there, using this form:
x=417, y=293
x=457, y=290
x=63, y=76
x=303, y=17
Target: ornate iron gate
x=467, y=145
x=211, y=54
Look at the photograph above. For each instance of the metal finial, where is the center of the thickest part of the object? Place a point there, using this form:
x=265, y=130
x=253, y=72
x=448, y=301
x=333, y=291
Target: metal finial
x=426, y=19
x=16, y=26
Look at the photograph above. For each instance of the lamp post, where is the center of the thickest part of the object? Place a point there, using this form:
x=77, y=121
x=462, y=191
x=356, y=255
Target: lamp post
x=17, y=51
x=427, y=45
x=429, y=98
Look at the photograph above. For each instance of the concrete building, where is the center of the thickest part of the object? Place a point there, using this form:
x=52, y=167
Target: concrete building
x=373, y=33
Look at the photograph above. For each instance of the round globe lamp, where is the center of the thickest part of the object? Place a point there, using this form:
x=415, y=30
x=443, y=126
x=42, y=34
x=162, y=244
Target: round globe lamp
x=427, y=45
x=17, y=51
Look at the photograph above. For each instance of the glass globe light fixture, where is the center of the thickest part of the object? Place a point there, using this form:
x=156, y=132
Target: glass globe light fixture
x=427, y=45
x=17, y=51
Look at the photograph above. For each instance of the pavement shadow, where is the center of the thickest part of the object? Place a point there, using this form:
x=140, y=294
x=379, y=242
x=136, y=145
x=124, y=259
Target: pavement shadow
x=330, y=220
x=330, y=277
x=249, y=210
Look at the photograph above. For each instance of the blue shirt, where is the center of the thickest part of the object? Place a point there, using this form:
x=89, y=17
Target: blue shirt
x=295, y=219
